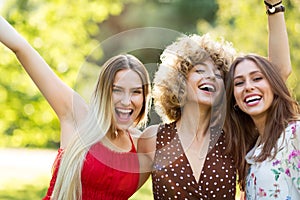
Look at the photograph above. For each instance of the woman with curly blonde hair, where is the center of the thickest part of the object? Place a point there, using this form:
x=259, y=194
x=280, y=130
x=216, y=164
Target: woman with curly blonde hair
x=188, y=94
x=188, y=155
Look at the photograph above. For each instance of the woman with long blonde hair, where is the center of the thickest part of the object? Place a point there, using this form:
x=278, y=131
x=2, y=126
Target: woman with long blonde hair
x=97, y=156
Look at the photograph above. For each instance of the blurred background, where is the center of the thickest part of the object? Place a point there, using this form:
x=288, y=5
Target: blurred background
x=67, y=33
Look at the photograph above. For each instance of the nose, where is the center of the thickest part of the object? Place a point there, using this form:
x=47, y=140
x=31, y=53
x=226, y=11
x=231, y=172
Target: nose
x=249, y=86
x=209, y=74
x=126, y=99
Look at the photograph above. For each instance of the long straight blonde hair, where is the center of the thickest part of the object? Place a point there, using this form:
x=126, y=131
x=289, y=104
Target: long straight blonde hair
x=99, y=122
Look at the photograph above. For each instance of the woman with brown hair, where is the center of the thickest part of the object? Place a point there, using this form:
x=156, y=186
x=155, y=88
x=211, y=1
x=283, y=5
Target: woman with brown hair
x=188, y=155
x=263, y=124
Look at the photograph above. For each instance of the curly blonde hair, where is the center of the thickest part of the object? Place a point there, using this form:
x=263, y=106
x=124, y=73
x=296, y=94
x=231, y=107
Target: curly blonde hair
x=169, y=89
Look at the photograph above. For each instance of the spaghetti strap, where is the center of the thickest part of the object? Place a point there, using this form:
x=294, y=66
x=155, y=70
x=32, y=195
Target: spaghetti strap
x=132, y=143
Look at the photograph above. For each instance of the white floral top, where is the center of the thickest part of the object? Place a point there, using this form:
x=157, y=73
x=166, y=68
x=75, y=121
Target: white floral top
x=278, y=178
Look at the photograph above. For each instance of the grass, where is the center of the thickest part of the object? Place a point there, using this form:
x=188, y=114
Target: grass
x=22, y=190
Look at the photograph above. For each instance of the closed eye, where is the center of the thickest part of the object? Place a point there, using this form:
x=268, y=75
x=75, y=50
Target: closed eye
x=257, y=78
x=200, y=71
x=219, y=73
x=116, y=90
x=219, y=76
x=238, y=83
x=137, y=91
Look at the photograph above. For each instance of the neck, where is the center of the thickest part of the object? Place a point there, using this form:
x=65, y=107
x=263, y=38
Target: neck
x=119, y=143
x=260, y=124
x=116, y=135
x=194, y=120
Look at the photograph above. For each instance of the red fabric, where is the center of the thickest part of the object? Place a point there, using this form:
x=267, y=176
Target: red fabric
x=106, y=174
x=54, y=174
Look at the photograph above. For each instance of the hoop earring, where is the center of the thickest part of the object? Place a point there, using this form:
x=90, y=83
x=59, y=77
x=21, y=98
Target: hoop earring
x=235, y=107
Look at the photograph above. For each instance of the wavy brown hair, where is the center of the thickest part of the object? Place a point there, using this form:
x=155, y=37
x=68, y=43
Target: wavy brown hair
x=241, y=133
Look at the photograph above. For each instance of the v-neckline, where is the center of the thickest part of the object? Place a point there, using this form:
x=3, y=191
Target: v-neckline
x=188, y=161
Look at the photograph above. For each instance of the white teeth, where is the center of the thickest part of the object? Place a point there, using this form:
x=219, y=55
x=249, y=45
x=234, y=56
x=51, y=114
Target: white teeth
x=123, y=111
x=208, y=87
x=252, y=98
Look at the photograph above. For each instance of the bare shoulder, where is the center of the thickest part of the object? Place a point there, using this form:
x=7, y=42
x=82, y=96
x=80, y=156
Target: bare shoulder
x=150, y=131
x=135, y=133
x=147, y=141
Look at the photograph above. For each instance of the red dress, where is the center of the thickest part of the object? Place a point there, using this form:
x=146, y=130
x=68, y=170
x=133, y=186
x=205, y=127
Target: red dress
x=106, y=174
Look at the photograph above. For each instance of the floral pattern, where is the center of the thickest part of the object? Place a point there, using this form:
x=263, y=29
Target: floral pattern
x=278, y=178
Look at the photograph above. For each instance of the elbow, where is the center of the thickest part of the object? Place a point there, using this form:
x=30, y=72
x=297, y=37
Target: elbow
x=287, y=72
x=20, y=46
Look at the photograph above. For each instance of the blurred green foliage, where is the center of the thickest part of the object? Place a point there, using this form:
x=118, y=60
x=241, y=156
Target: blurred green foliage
x=65, y=32
x=245, y=25
x=62, y=32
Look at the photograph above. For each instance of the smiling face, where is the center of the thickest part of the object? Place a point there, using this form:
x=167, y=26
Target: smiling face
x=127, y=96
x=252, y=91
x=205, y=83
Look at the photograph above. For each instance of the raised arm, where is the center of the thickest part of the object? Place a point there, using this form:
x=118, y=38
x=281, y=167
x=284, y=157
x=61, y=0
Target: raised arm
x=279, y=51
x=58, y=94
x=61, y=97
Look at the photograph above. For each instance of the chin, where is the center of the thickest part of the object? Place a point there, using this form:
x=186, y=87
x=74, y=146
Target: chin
x=123, y=126
x=209, y=102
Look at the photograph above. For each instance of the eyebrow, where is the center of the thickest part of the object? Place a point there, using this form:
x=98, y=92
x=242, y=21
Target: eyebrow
x=251, y=73
x=201, y=64
x=130, y=88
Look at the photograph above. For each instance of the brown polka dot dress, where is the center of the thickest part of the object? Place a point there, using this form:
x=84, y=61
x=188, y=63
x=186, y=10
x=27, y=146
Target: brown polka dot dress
x=172, y=176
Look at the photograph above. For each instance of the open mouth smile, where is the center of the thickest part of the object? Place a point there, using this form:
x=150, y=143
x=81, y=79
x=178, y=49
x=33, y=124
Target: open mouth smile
x=124, y=114
x=252, y=99
x=207, y=87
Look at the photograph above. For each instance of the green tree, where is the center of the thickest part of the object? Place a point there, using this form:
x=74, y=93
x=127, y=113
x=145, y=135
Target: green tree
x=245, y=25
x=62, y=32
x=65, y=33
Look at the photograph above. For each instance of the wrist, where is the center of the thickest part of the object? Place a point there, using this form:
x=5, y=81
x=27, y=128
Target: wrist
x=272, y=4
x=274, y=8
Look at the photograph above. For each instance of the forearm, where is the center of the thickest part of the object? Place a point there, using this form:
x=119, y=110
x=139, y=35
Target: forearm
x=58, y=94
x=26, y=55
x=279, y=51
x=9, y=36
x=143, y=178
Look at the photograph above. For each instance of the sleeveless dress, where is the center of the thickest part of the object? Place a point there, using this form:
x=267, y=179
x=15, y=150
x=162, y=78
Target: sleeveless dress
x=106, y=174
x=172, y=176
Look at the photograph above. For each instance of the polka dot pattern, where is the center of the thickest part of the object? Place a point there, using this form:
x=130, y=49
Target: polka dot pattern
x=172, y=176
